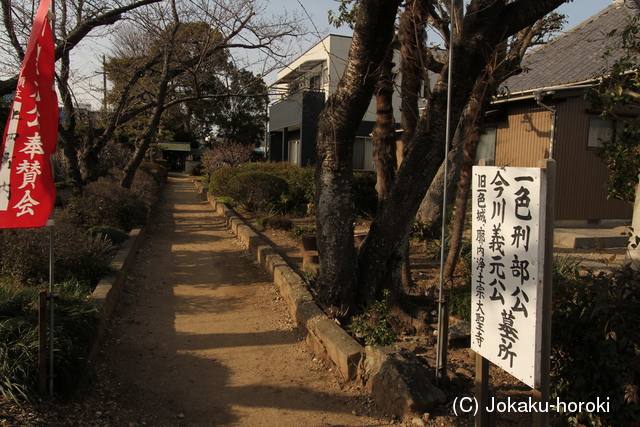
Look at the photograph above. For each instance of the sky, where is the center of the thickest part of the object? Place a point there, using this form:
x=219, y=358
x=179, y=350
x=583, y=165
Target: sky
x=316, y=13
x=576, y=12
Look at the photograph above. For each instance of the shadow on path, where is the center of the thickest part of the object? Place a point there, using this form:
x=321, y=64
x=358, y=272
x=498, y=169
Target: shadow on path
x=201, y=336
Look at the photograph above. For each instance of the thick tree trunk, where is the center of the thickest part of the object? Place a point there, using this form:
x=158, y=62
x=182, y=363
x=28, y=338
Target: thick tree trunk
x=337, y=127
x=503, y=65
x=384, y=132
x=462, y=196
x=486, y=25
x=430, y=210
x=384, y=155
x=412, y=36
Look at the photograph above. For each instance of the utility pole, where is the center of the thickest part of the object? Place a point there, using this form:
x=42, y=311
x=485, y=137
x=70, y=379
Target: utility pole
x=104, y=83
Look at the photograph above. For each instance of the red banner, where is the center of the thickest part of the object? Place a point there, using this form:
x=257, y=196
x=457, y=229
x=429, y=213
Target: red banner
x=27, y=189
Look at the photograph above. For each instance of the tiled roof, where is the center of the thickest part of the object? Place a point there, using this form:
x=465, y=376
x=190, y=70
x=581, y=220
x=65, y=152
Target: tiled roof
x=574, y=56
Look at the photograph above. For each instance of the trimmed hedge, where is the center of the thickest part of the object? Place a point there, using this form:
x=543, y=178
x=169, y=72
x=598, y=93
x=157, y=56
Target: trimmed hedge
x=298, y=199
x=258, y=191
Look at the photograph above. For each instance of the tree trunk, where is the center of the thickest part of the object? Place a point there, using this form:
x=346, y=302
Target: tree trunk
x=412, y=37
x=384, y=132
x=384, y=155
x=152, y=125
x=337, y=127
x=462, y=196
x=485, y=26
x=503, y=65
x=68, y=127
x=430, y=210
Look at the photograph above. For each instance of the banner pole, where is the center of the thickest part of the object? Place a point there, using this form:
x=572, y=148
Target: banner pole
x=52, y=235
x=51, y=301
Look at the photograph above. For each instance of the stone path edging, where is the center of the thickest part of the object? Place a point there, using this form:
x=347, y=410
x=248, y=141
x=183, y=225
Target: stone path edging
x=105, y=295
x=327, y=339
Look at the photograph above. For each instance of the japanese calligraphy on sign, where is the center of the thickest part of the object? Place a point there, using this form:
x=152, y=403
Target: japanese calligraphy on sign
x=507, y=264
x=27, y=189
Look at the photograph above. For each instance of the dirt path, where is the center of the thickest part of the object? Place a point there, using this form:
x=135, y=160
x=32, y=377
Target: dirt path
x=201, y=338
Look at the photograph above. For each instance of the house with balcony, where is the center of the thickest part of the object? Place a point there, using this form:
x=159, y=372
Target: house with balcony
x=303, y=87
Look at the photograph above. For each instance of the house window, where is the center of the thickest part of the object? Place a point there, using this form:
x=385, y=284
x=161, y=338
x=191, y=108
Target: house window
x=599, y=130
x=363, y=154
x=314, y=82
x=487, y=145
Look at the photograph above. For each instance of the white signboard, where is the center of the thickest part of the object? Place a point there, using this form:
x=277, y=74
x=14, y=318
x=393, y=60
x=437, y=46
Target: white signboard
x=507, y=262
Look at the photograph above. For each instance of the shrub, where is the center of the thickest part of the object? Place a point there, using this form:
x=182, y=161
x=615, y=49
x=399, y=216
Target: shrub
x=277, y=222
x=24, y=254
x=161, y=162
x=197, y=170
x=146, y=188
x=262, y=222
x=298, y=231
x=596, y=342
x=76, y=328
x=116, y=235
x=225, y=154
x=231, y=204
x=157, y=171
x=460, y=301
x=106, y=203
x=219, y=181
x=114, y=155
x=298, y=197
x=258, y=191
x=374, y=325
x=424, y=231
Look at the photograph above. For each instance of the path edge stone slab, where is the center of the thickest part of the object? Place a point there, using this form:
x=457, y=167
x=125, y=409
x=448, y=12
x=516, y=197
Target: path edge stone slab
x=324, y=336
x=405, y=396
x=106, y=293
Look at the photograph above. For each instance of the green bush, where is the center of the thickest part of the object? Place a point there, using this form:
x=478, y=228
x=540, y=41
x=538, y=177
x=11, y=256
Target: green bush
x=116, y=235
x=374, y=325
x=161, y=162
x=106, y=203
x=298, y=231
x=231, y=204
x=197, y=170
x=219, y=181
x=460, y=301
x=258, y=191
x=424, y=231
x=277, y=222
x=596, y=343
x=156, y=170
x=299, y=197
x=24, y=254
x=76, y=329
